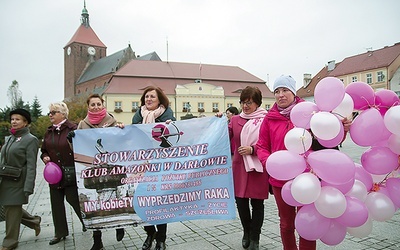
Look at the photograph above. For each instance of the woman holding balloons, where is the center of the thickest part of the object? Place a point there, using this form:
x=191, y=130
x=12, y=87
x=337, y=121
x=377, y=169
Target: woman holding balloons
x=275, y=126
x=56, y=150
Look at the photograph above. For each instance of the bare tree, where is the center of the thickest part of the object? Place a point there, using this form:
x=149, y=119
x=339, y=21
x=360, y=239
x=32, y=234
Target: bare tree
x=14, y=95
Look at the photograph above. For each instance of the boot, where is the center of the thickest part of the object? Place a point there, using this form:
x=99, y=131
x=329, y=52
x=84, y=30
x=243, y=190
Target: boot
x=97, y=244
x=120, y=232
x=149, y=241
x=160, y=245
x=246, y=239
x=254, y=245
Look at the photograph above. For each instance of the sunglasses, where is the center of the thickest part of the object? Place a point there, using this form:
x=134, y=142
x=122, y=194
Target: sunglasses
x=53, y=112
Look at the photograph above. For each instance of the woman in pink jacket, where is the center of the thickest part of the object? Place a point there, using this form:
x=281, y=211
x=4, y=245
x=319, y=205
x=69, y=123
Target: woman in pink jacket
x=250, y=179
x=272, y=133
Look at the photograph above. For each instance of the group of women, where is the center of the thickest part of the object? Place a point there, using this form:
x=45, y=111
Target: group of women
x=21, y=149
x=255, y=134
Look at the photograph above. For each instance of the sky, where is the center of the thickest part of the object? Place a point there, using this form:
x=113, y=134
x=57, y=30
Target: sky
x=265, y=38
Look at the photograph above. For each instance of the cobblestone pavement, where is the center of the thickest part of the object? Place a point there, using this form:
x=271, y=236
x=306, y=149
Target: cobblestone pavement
x=194, y=235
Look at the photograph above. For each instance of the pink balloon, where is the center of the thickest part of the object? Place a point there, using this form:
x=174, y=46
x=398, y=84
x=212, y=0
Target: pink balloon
x=356, y=213
x=287, y=195
x=52, y=173
x=393, y=186
x=382, y=110
x=285, y=165
x=335, y=141
x=310, y=224
x=362, y=94
x=332, y=166
x=335, y=235
x=386, y=98
x=329, y=93
x=379, y=160
x=363, y=176
x=367, y=128
x=301, y=114
x=344, y=188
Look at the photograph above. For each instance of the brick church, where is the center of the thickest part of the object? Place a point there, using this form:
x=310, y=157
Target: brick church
x=121, y=77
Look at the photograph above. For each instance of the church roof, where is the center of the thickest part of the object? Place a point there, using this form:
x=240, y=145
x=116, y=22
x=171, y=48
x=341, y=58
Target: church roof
x=105, y=65
x=136, y=75
x=86, y=35
x=149, y=57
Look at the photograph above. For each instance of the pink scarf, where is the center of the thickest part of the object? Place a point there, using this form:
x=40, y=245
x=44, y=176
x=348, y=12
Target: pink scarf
x=57, y=126
x=149, y=116
x=96, y=117
x=249, y=137
x=286, y=111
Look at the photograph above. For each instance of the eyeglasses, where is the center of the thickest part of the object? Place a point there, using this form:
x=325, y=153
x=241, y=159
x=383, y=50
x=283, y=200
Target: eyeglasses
x=52, y=112
x=248, y=103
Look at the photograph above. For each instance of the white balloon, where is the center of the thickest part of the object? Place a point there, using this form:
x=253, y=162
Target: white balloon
x=361, y=231
x=394, y=143
x=345, y=108
x=325, y=125
x=306, y=188
x=392, y=120
x=331, y=203
x=358, y=191
x=380, y=207
x=298, y=140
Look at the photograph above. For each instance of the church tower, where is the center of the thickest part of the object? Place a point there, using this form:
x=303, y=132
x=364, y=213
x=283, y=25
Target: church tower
x=83, y=48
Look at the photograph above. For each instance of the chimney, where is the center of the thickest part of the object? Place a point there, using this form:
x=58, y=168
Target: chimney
x=331, y=65
x=306, y=80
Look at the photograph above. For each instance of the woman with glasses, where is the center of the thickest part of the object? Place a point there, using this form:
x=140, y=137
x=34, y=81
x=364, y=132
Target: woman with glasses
x=55, y=148
x=250, y=179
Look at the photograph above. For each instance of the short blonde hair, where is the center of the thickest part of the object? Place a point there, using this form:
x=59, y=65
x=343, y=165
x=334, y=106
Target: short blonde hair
x=60, y=106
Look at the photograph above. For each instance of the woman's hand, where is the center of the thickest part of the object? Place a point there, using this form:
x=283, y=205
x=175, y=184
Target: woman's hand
x=346, y=124
x=245, y=150
x=219, y=114
x=120, y=125
x=46, y=159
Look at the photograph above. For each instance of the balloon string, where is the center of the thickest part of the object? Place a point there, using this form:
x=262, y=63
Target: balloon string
x=368, y=104
x=376, y=186
x=334, y=113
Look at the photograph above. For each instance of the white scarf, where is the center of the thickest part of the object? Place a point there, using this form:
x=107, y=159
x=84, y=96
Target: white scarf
x=149, y=116
x=249, y=137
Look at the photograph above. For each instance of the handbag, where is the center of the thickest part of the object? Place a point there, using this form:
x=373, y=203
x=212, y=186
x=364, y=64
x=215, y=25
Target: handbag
x=69, y=175
x=10, y=172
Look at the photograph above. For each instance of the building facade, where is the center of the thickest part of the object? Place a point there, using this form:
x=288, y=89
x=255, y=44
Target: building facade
x=194, y=90
x=378, y=68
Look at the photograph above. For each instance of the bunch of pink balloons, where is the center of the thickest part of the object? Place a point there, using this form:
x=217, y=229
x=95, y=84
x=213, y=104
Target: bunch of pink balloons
x=336, y=195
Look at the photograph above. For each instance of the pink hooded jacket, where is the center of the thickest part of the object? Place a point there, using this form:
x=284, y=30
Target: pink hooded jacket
x=271, y=138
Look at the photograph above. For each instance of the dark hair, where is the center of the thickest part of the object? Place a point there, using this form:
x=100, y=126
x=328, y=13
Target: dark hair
x=233, y=110
x=252, y=93
x=94, y=96
x=160, y=94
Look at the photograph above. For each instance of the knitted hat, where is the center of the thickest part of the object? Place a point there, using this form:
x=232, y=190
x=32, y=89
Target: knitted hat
x=287, y=82
x=25, y=113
